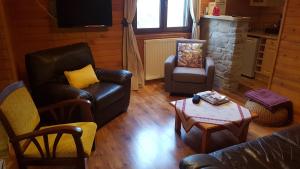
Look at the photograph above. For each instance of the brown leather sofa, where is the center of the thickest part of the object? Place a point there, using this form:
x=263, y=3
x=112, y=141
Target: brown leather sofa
x=280, y=150
x=48, y=84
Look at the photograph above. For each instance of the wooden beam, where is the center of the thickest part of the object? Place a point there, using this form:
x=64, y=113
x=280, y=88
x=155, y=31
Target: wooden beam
x=7, y=35
x=278, y=43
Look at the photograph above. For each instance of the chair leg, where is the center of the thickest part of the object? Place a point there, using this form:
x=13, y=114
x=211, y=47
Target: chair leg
x=82, y=164
x=21, y=165
x=94, y=145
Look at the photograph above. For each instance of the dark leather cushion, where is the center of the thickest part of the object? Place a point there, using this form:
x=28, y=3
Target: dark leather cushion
x=114, y=76
x=200, y=161
x=105, y=93
x=268, y=152
x=189, y=75
x=291, y=135
x=48, y=65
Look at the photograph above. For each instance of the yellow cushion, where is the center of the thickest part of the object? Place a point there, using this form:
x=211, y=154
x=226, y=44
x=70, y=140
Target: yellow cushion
x=81, y=78
x=20, y=111
x=66, y=146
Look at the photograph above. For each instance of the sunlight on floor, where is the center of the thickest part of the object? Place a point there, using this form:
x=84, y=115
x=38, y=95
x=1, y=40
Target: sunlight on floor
x=150, y=145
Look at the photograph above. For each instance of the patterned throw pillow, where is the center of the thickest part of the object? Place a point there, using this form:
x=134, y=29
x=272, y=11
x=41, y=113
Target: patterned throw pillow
x=190, y=54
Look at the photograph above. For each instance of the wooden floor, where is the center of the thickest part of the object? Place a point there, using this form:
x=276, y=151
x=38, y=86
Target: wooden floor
x=144, y=137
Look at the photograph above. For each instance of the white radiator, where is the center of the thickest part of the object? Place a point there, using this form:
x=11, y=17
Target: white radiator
x=156, y=51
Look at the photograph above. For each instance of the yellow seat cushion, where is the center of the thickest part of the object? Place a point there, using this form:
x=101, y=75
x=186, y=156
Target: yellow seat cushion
x=66, y=146
x=81, y=78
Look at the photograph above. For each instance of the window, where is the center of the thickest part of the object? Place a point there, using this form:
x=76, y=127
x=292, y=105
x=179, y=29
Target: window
x=177, y=13
x=162, y=15
x=148, y=14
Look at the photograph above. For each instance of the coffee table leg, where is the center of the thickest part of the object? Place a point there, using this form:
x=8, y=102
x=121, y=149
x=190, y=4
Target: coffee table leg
x=244, y=134
x=204, y=141
x=177, y=124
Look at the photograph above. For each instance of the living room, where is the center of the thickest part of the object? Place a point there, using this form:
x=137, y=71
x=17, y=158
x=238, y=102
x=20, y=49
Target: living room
x=246, y=45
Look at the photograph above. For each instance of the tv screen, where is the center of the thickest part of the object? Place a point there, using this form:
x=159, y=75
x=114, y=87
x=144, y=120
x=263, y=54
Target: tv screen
x=80, y=13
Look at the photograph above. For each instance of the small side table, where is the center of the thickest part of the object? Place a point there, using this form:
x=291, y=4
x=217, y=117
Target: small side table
x=2, y=164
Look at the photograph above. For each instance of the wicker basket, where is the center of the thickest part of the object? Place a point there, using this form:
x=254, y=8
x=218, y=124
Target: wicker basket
x=266, y=117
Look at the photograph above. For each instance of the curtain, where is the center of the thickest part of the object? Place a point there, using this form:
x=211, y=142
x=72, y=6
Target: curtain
x=131, y=56
x=195, y=13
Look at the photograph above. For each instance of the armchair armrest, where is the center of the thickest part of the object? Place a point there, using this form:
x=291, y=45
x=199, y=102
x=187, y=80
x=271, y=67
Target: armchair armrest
x=53, y=93
x=76, y=132
x=67, y=107
x=115, y=76
x=210, y=72
x=201, y=161
x=170, y=64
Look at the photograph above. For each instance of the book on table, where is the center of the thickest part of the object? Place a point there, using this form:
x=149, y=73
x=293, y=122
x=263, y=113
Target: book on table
x=213, y=97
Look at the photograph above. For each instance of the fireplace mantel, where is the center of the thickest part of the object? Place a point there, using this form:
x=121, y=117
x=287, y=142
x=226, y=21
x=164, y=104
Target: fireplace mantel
x=227, y=18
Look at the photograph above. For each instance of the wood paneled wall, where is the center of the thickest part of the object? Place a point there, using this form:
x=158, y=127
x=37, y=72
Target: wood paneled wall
x=32, y=29
x=7, y=72
x=269, y=16
x=204, y=4
x=241, y=8
x=261, y=17
x=286, y=79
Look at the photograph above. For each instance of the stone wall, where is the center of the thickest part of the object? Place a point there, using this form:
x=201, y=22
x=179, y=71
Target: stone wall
x=226, y=39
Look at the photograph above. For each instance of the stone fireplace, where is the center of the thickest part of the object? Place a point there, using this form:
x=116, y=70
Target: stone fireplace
x=226, y=37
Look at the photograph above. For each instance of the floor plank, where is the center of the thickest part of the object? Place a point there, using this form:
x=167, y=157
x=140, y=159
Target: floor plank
x=144, y=137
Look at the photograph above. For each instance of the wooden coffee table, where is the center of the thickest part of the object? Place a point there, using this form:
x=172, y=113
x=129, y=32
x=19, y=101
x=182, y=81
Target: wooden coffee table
x=207, y=129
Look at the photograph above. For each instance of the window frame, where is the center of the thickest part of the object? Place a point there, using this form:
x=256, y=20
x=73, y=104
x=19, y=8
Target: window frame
x=163, y=22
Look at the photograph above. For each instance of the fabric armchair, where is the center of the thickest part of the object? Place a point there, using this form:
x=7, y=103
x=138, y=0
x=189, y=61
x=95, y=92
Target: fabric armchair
x=109, y=98
x=187, y=80
x=170, y=65
x=60, y=144
x=210, y=72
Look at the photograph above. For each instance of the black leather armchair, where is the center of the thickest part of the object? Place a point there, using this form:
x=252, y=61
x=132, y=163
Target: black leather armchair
x=48, y=84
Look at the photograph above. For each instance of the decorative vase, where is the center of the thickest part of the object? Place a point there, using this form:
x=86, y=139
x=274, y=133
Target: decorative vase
x=216, y=11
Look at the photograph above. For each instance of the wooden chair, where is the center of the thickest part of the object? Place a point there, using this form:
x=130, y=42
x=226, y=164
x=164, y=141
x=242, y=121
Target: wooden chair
x=62, y=144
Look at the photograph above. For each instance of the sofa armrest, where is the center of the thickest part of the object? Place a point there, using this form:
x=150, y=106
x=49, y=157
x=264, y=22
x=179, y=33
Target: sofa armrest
x=170, y=64
x=115, y=76
x=53, y=93
x=210, y=72
x=201, y=161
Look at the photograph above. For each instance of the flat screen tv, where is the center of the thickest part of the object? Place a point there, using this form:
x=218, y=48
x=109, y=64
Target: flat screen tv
x=82, y=13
